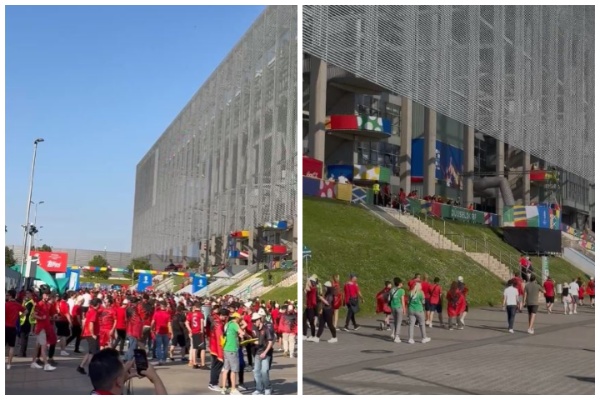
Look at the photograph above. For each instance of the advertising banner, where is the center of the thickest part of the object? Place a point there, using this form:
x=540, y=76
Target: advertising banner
x=312, y=167
x=199, y=282
x=344, y=191
x=335, y=171
x=144, y=281
x=464, y=215
x=50, y=261
x=73, y=275
x=448, y=164
x=310, y=186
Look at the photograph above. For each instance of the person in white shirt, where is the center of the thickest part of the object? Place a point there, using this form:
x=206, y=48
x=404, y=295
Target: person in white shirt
x=574, y=292
x=87, y=297
x=342, y=179
x=511, y=299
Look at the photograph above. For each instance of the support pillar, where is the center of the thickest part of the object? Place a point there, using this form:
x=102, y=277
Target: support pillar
x=429, y=158
x=317, y=108
x=500, y=172
x=468, y=165
x=526, y=178
x=405, y=144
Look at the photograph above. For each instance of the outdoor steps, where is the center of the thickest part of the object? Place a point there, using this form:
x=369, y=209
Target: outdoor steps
x=287, y=282
x=492, y=264
x=423, y=231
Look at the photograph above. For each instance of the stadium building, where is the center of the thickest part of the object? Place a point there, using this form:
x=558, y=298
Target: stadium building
x=484, y=105
x=220, y=183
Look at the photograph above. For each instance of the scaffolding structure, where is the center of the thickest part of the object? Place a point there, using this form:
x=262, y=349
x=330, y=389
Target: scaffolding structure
x=228, y=160
x=521, y=74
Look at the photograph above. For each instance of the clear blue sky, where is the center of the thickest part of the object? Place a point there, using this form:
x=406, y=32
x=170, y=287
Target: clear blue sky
x=100, y=85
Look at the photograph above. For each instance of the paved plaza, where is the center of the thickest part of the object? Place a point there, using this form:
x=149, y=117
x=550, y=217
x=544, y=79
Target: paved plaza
x=481, y=359
x=177, y=377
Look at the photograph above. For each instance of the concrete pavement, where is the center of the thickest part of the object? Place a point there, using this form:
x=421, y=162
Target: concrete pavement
x=177, y=377
x=481, y=359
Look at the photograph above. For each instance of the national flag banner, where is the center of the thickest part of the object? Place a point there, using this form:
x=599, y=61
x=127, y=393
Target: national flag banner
x=532, y=216
x=359, y=195
x=327, y=189
x=344, y=191
x=520, y=216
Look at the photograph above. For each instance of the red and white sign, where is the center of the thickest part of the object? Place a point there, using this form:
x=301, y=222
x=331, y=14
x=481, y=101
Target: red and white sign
x=312, y=167
x=51, y=261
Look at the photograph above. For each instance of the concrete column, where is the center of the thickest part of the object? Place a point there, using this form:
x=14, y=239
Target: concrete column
x=429, y=158
x=526, y=178
x=500, y=172
x=317, y=108
x=468, y=164
x=405, y=144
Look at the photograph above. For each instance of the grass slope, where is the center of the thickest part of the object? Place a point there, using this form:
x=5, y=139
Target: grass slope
x=560, y=269
x=347, y=239
x=282, y=294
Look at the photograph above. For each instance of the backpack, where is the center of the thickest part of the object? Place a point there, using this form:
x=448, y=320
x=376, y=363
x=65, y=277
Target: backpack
x=390, y=296
x=387, y=296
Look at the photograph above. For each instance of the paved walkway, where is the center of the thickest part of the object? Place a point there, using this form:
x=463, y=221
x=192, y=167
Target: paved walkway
x=177, y=377
x=481, y=359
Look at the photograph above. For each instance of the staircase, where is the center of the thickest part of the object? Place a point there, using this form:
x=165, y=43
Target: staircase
x=287, y=282
x=439, y=241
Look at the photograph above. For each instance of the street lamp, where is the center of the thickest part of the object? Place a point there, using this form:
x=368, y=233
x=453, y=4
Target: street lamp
x=35, y=220
x=26, y=233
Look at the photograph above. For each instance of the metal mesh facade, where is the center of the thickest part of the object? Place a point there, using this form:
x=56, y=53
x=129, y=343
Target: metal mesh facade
x=522, y=74
x=228, y=161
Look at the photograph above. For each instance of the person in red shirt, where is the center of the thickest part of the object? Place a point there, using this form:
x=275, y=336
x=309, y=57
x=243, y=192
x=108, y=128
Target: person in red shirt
x=161, y=326
x=520, y=288
x=12, y=310
x=549, y=289
x=146, y=311
x=338, y=298
x=425, y=288
x=107, y=319
x=383, y=305
x=310, y=312
x=76, y=320
x=402, y=198
x=194, y=323
x=591, y=291
x=216, y=349
x=464, y=290
x=91, y=332
x=411, y=283
x=63, y=323
x=435, y=302
x=456, y=304
x=44, y=332
x=351, y=295
x=135, y=326
x=121, y=326
x=247, y=316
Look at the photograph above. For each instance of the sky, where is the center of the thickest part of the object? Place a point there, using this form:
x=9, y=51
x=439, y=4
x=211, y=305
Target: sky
x=99, y=85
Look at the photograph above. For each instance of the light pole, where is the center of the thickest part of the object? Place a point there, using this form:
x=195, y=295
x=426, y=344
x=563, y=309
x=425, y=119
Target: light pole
x=35, y=220
x=26, y=233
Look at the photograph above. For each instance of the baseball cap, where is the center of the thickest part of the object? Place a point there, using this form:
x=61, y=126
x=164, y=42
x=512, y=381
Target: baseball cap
x=248, y=304
x=261, y=312
x=236, y=315
x=460, y=278
x=255, y=316
x=327, y=284
x=125, y=301
x=313, y=278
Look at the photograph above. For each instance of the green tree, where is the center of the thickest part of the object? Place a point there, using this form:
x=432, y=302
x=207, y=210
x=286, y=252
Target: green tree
x=9, y=257
x=98, y=261
x=137, y=263
x=194, y=265
x=45, y=247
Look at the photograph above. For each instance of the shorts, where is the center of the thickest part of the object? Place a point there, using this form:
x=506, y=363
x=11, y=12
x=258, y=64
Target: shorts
x=467, y=308
x=104, y=338
x=435, y=308
x=62, y=329
x=231, y=362
x=84, y=310
x=93, y=346
x=592, y=296
x=41, y=338
x=575, y=299
x=427, y=305
x=550, y=300
x=178, y=340
x=11, y=336
x=532, y=309
x=198, y=341
x=520, y=299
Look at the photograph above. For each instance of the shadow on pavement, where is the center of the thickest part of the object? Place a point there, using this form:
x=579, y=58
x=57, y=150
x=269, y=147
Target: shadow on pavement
x=321, y=385
x=583, y=378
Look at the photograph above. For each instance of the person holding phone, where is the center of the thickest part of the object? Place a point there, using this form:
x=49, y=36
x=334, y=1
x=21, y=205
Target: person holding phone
x=109, y=375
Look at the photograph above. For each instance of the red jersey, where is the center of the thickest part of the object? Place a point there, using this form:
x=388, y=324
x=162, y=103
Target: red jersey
x=107, y=318
x=63, y=310
x=435, y=294
x=91, y=317
x=121, y=317
x=591, y=288
x=248, y=320
x=135, y=324
x=425, y=287
x=311, y=298
x=11, y=314
x=216, y=332
x=350, y=291
x=195, y=319
x=337, y=296
x=42, y=309
x=76, y=315
x=519, y=282
x=146, y=312
x=161, y=322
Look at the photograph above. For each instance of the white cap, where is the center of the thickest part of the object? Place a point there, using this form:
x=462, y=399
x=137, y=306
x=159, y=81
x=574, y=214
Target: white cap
x=248, y=304
x=100, y=296
x=255, y=316
x=460, y=278
x=261, y=312
x=125, y=301
x=591, y=278
x=327, y=284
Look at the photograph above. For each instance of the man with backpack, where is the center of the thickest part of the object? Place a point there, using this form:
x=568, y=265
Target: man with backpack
x=383, y=299
x=398, y=307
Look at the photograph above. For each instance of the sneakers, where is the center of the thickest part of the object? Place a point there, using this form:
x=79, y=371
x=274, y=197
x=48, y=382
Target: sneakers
x=235, y=392
x=346, y=329
x=356, y=328
x=35, y=365
x=268, y=392
x=530, y=331
x=224, y=391
x=304, y=337
x=49, y=367
x=286, y=354
x=426, y=340
x=64, y=353
x=411, y=341
x=389, y=328
x=81, y=371
x=214, y=388
x=242, y=388
x=256, y=393
x=511, y=331
x=574, y=312
x=7, y=366
x=397, y=339
x=313, y=339
x=332, y=340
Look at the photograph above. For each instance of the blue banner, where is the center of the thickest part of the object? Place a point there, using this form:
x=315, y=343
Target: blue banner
x=73, y=276
x=144, y=281
x=198, y=283
x=543, y=217
x=416, y=157
x=448, y=164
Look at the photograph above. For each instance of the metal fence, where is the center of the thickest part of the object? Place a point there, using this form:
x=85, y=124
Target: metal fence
x=522, y=74
x=228, y=161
